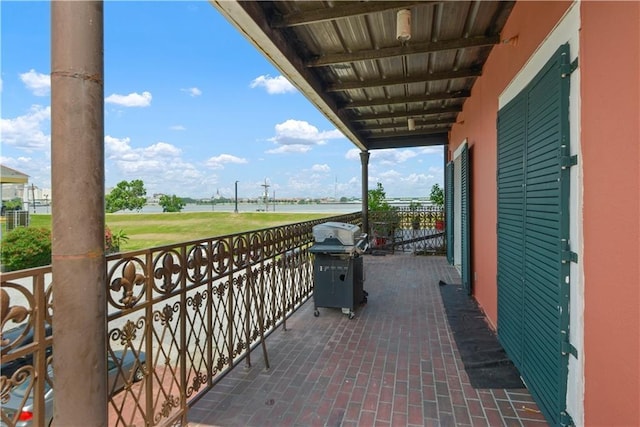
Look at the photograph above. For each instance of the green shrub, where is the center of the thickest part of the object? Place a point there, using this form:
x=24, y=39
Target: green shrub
x=26, y=247
x=113, y=241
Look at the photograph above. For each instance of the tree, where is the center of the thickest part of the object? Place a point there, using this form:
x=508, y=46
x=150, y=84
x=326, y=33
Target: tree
x=171, y=203
x=126, y=195
x=376, y=199
x=437, y=195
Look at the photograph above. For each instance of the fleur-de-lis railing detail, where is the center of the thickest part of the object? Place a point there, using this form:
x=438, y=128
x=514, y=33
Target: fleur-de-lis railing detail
x=198, y=380
x=17, y=313
x=167, y=315
x=126, y=283
x=222, y=362
x=167, y=405
x=219, y=290
x=128, y=333
x=196, y=301
x=198, y=262
x=166, y=272
x=221, y=256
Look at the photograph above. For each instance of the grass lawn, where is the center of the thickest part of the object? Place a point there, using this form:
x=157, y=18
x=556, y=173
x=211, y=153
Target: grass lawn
x=149, y=230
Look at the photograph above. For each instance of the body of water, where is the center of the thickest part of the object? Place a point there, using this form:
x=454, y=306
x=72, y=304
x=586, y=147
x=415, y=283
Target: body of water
x=338, y=208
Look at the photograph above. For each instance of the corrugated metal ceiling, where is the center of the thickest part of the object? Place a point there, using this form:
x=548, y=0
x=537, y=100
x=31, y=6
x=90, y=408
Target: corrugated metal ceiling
x=345, y=57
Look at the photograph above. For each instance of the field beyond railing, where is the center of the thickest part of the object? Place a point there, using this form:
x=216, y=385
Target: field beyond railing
x=185, y=313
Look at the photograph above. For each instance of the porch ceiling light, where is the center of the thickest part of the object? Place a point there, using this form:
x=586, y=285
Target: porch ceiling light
x=411, y=123
x=403, y=25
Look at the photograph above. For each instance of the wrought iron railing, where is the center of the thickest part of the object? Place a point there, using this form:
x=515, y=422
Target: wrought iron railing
x=179, y=318
x=418, y=229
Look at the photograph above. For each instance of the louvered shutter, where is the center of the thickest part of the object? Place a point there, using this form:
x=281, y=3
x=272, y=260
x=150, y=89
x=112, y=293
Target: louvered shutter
x=533, y=231
x=448, y=191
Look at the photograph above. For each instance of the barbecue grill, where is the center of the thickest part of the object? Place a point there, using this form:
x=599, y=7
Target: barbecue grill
x=337, y=267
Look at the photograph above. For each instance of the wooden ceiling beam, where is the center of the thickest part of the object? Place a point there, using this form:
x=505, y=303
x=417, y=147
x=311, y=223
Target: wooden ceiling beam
x=443, y=75
x=412, y=113
x=407, y=133
x=395, y=51
x=340, y=11
x=403, y=124
x=414, y=140
x=408, y=99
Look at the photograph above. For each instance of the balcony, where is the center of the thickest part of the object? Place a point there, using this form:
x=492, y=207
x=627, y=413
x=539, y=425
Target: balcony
x=224, y=334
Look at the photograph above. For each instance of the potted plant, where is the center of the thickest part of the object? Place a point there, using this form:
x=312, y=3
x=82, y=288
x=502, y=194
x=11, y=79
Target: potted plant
x=414, y=214
x=384, y=216
x=437, y=198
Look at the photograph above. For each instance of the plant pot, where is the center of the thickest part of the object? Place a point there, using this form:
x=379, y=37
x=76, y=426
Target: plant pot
x=380, y=241
x=439, y=225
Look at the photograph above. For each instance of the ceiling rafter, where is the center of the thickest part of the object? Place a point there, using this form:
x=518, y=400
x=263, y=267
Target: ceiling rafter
x=414, y=140
x=407, y=49
x=403, y=124
x=411, y=113
x=430, y=77
x=407, y=99
x=411, y=133
x=307, y=17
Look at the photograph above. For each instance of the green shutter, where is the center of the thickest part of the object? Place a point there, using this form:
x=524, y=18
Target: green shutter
x=533, y=231
x=465, y=219
x=448, y=190
x=511, y=140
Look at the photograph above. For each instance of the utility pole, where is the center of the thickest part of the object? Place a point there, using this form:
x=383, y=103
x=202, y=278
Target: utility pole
x=236, y=209
x=33, y=197
x=266, y=195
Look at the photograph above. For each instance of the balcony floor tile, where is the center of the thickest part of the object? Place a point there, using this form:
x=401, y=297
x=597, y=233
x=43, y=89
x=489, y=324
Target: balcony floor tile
x=395, y=364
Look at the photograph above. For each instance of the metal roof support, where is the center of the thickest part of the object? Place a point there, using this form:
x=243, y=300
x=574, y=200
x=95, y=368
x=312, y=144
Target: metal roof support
x=78, y=259
x=364, y=159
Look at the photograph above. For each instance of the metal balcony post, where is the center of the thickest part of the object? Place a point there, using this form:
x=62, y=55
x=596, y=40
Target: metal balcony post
x=364, y=159
x=78, y=253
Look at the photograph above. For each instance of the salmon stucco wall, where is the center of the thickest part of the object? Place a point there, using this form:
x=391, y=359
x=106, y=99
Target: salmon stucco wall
x=610, y=97
x=527, y=27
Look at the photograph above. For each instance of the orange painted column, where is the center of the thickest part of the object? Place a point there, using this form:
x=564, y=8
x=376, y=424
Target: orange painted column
x=610, y=100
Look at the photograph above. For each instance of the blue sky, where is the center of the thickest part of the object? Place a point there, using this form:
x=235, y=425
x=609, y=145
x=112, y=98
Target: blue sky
x=190, y=107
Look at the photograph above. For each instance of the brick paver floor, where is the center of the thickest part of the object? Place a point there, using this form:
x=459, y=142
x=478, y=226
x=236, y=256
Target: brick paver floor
x=395, y=364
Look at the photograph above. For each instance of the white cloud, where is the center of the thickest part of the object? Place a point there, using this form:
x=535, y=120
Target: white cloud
x=299, y=136
x=392, y=156
x=39, y=84
x=162, y=149
x=289, y=149
x=417, y=178
x=177, y=127
x=273, y=85
x=160, y=166
x=192, y=91
x=116, y=148
x=132, y=100
x=218, y=162
x=158, y=154
x=321, y=168
x=432, y=150
x=390, y=175
x=26, y=132
x=353, y=154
